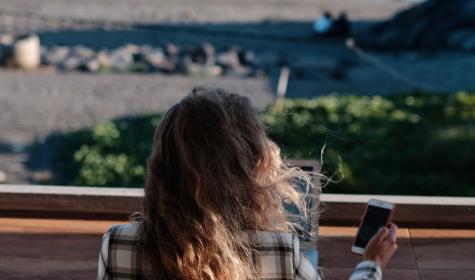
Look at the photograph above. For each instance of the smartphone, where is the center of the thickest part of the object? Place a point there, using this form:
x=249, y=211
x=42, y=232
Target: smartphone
x=377, y=215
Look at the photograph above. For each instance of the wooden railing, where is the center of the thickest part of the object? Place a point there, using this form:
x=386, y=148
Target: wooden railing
x=119, y=203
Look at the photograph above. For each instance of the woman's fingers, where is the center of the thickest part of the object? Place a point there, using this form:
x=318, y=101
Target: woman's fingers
x=381, y=234
x=392, y=232
x=382, y=246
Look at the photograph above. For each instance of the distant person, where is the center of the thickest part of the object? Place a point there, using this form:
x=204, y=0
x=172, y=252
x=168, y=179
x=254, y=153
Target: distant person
x=324, y=24
x=341, y=27
x=213, y=203
x=327, y=26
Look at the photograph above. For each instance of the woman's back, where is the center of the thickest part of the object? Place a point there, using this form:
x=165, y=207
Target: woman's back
x=275, y=255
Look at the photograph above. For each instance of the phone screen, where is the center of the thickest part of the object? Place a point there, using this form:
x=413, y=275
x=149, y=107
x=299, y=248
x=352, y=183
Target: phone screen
x=374, y=219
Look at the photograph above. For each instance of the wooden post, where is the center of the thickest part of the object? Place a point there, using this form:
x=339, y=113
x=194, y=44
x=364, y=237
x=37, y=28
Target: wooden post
x=281, y=89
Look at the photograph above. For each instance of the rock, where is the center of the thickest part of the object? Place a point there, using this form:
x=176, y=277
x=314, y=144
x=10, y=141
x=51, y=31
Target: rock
x=131, y=48
x=171, y=51
x=69, y=59
x=6, y=55
x=7, y=39
x=213, y=70
x=71, y=63
x=229, y=59
x=121, y=63
x=138, y=57
x=191, y=60
x=187, y=66
x=103, y=59
x=185, y=63
x=154, y=57
x=92, y=66
x=247, y=58
x=197, y=55
x=168, y=67
x=3, y=177
x=146, y=49
x=42, y=177
x=83, y=52
x=55, y=55
x=122, y=59
x=209, y=53
x=26, y=52
x=141, y=67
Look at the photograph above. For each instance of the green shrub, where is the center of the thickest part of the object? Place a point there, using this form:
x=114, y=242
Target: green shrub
x=109, y=154
x=420, y=144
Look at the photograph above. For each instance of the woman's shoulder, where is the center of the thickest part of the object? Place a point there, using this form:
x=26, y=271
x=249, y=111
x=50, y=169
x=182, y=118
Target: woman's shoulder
x=129, y=231
x=266, y=239
x=276, y=255
x=270, y=240
x=121, y=255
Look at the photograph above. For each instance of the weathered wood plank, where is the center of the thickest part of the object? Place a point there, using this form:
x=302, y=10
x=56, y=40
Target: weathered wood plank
x=68, y=249
x=411, y=211
x=119, y=203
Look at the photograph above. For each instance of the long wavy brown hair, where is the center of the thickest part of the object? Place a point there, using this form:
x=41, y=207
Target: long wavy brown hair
x=212, y=176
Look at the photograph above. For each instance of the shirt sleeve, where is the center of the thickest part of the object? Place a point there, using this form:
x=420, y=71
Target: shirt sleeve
x=304, y=269
x=102, y=271
x=367, y=270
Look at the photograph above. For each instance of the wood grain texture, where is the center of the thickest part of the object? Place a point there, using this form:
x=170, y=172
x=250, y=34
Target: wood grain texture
x=119, y=203
x=68, y=249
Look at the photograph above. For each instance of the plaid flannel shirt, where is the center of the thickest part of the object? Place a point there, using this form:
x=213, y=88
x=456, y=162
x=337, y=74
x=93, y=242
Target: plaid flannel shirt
x=276, y=256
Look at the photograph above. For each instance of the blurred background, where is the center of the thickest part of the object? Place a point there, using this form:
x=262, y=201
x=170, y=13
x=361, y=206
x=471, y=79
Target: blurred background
x=382, y=92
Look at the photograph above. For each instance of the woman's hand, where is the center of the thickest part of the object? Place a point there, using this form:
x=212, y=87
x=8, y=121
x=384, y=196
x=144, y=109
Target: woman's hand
x=382, y=246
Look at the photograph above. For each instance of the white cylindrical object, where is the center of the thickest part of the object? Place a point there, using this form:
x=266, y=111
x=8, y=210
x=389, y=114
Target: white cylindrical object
x=26, y=52
x=283, y=81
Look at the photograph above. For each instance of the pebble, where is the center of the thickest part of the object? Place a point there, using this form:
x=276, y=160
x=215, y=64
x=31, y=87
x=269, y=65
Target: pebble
x=83, y=52
x=70, y=63
x=171, y=50
x=154, y=57
x=55, y=55
x=121, y=59
x=103, y=59
x=3, y=177
x=229, y=59
x=7, y=39
x=42, y=177
x=247, y=58
x=209, y=52
x=93, y=66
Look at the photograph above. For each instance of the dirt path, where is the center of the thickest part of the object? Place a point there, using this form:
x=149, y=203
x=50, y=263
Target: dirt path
x=35, y=105
x=178, y=11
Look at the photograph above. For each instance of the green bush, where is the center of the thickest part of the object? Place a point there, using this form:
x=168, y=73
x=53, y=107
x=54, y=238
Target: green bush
x=109, y=154
x=419, y=144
